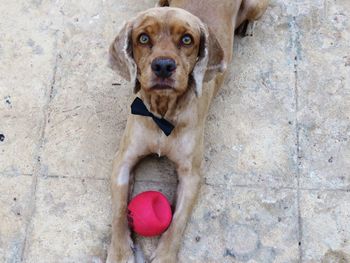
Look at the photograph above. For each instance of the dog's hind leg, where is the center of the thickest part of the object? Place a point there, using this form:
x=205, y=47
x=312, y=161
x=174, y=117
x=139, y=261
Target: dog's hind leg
x=250, y=11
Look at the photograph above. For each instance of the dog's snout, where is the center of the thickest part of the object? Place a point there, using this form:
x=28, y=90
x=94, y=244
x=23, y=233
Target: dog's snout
x=163, y=67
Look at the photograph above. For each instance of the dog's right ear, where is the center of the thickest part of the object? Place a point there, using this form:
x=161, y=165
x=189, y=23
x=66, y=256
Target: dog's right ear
x=121, y=57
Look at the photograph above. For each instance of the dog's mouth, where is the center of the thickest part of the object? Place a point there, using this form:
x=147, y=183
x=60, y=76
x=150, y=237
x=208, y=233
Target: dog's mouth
x=161, y=87
x=163, y=84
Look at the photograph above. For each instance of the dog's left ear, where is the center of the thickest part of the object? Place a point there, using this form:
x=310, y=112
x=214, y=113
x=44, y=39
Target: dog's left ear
x=210, y=59
x=121, y=55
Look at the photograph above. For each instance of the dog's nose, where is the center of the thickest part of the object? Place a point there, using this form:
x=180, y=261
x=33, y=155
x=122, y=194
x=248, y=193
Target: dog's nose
x=163, y=67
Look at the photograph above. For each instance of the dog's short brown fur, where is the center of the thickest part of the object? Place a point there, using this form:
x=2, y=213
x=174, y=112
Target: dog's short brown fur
x=184, y=102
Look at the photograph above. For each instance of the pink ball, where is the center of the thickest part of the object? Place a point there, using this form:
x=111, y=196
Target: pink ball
x=149, y=213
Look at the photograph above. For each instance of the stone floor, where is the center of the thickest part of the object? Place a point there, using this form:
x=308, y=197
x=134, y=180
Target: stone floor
x=277, y=180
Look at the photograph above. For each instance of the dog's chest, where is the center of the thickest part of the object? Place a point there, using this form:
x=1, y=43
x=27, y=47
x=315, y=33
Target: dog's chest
x=160, y=147
x=179, y=143
x=174, y=147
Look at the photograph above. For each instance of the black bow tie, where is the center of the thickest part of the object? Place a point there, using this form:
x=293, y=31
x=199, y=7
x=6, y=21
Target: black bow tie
x=139, y=108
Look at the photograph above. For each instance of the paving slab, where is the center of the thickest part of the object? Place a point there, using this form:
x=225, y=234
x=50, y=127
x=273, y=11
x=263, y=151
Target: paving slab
x=82, y=130
x=71, y=222
x=325, y=226
x=27, y=63
x=324, y=94
x=19, y=142
x=242, y=225
x=250, y=137
x=14, y=201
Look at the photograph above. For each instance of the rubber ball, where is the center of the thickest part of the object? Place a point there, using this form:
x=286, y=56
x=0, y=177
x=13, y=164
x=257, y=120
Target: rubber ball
x=149, y=213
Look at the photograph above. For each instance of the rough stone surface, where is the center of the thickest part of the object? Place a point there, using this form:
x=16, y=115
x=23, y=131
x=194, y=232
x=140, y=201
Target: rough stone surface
x=257, y=107
x=71, y=222
x=247, y=225
x=27, y=47
x=324, y=96
x=326, y=217
x=14, y=201
x=277, y=161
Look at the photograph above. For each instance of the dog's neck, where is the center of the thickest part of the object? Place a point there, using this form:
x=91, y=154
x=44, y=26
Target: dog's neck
x=160, y=105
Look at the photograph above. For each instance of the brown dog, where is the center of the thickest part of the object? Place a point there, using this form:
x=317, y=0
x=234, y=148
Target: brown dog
x=176, y=58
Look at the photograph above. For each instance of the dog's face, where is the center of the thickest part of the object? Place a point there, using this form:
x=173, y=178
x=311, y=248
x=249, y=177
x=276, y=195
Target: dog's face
x=164, y=50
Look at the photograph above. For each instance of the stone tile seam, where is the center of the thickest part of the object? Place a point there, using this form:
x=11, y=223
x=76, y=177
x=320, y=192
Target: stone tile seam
x=30, y=210
x=66, y=177
x=295, y=35
x=251, y=186
x=14, y=175
x=279, y=188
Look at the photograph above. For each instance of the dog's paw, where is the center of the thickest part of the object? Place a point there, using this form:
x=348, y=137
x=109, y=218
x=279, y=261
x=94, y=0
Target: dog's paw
x=160, y=257
x=166, y=250
x=121, y=254
x=164, y=259
x=120, y=258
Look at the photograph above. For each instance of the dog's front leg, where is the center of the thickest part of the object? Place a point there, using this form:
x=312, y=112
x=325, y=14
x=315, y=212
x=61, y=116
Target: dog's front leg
x=121, y=248
x=169, y=244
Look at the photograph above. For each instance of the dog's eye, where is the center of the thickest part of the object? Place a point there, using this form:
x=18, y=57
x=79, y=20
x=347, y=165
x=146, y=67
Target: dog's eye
x=186, y=40
x=144, y=39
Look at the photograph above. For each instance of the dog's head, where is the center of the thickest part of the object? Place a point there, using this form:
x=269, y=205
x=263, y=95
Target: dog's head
x=165, y=49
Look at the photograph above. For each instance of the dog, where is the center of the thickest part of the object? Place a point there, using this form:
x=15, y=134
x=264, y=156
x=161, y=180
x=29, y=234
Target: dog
x=175, y=56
